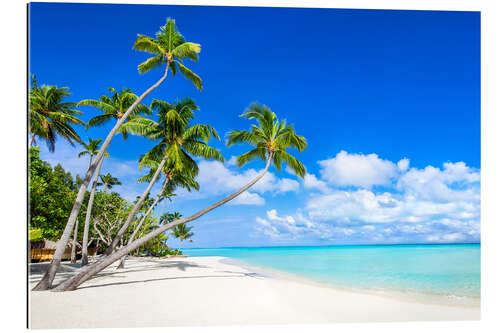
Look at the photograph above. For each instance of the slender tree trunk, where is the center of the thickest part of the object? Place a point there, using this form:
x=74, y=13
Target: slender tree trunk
x=122, y=262
x=88, y=214
x=73, y=282
x=46, y=281
x=180, y=246
x=32, y=139
x=73, y=246
x=136, y=208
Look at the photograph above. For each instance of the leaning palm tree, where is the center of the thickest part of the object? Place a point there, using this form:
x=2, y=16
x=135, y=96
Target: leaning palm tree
x=270, y=138
x=182, y=232
x=178, y=141
x=169, y=48
x=114, y=107
x=50, y=116
x=91, y=149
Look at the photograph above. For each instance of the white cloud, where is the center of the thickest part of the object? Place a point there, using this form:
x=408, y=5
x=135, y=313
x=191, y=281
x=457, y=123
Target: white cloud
x=447, y=238
x=455, y=182
x=357, y=170
x=284, y=227
x=287, y=185
x=215, y=178
x=311, y=182
x=430, y=204
x=403, y=164
x=248, y=198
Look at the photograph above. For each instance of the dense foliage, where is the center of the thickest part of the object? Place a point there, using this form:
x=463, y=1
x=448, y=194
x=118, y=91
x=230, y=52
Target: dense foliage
x=52, y=194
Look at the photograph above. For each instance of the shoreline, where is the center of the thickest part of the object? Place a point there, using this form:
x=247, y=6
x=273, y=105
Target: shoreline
x=422, y=298
x=206, y=291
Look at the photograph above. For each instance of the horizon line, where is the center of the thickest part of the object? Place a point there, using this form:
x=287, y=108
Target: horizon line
x=331, y=245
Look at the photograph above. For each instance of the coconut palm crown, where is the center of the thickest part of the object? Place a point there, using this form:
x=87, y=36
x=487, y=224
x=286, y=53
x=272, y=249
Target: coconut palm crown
x=169, y=47
x=114, y=107
x=271, y=138
x=178, y=140
x=174, y=178
x=50, y=116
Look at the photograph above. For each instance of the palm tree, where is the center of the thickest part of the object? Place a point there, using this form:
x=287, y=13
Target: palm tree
x=170, y=48
x=109, y=181
x=91, y=149
x=114, y=107
x=183, y=232
x=177, y=141
x=271, y=139
x=50, y=116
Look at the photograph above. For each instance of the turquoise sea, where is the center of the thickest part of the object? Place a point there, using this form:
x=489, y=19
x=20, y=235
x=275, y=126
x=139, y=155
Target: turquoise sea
x=442, y=270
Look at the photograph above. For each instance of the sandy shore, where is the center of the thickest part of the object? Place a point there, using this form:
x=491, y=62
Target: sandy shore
x=209, y=291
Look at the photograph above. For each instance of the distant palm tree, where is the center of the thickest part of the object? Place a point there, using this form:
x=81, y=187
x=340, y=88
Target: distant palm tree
x=169, y=48
x=108, y=181
x=183, y=232
x=91, y=149
x=114, y=107
x=50, y=116
x=169, y=217
x=177, y=141
x=271, y=139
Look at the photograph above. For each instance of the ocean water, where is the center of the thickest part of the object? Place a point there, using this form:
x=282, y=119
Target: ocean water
x=441, y=270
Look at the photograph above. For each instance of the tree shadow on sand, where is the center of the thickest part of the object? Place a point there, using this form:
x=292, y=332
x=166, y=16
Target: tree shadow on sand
x=234, y=275
x=68, y=270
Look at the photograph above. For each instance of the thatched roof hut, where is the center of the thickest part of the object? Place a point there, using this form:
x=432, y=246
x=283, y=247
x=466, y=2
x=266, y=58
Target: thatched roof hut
x=44, y=250
x=43, y=244
x=46, y=244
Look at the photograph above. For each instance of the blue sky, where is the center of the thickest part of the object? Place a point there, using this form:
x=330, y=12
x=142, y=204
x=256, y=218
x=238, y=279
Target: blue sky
x=389, y=102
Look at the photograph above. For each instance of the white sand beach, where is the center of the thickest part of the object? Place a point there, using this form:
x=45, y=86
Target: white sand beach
x=198, y=291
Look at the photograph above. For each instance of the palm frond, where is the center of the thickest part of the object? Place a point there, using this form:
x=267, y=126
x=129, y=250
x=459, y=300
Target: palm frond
x=187, y=50
x=188, y=74
x=250, y=156
x=147, y=44
x=99, y=120
x=149, y=64
x=97, y=104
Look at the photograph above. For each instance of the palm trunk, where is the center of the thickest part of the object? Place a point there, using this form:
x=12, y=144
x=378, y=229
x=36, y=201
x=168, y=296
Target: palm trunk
x=88, y=214
x=46, y=282
x=122, y=262
x=136, y=208
x=73, y=282
x=73, y=246
x=180, y=246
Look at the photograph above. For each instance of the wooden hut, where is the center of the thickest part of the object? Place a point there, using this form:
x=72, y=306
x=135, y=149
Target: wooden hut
x=44, y=250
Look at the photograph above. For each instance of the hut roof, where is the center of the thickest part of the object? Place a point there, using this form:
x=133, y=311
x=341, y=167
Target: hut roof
x=48, y=245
